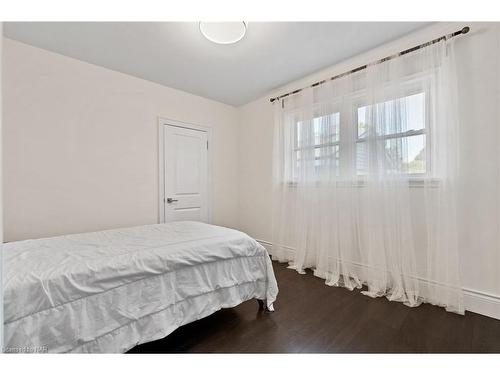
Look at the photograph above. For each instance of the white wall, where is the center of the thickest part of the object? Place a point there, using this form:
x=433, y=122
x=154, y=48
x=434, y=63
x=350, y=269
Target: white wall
x=479, y=102
x=81, y=145
x=255, y=168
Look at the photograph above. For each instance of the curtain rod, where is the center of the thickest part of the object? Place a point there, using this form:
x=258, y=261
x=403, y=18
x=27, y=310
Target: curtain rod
x=464, y=30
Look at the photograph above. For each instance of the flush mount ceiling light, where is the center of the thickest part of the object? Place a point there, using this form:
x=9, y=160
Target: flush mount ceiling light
x=223, y=32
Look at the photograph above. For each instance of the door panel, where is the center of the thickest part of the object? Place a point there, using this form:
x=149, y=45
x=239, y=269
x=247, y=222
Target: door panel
x=186, y=167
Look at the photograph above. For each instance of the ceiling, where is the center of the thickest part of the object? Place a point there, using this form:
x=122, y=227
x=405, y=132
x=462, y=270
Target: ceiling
x=175, y=54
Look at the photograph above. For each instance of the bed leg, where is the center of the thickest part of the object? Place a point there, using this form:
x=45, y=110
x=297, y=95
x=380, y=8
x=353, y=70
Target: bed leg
x=263, y=305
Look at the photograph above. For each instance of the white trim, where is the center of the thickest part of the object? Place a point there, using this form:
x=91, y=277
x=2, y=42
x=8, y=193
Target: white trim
x=475, y=301
x=267, y=245
x=162, y=122
x=482, y=303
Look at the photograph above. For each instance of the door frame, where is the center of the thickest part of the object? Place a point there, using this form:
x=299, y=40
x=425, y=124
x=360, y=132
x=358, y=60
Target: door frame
x=162, y=123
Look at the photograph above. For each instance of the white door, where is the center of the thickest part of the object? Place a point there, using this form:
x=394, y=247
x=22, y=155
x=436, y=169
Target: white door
x=186, y=169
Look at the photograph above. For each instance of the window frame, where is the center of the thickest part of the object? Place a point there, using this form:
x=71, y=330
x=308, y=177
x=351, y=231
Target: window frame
x=348, y=117
x=333, y=144
x=412, y=89
x=333, y=109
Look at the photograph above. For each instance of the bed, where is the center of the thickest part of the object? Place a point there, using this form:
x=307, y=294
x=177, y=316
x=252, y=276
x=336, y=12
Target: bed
x=105, y=292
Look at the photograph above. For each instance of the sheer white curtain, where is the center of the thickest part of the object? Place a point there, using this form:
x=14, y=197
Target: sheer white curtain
x=365, y=180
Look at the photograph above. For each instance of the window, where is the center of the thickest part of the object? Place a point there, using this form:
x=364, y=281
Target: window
x=316, y=144
x=397, y=126
x=400, y=123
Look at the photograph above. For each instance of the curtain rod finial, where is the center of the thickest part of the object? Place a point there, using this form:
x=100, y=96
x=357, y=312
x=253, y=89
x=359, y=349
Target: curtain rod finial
x=465, y=30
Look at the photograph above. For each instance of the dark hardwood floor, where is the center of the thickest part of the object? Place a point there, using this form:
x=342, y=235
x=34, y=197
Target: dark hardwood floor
x=311, y=317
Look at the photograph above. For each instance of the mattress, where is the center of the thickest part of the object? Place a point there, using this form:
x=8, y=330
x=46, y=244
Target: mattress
x=111, y=290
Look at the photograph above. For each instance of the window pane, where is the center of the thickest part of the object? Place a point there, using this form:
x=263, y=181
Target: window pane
x=392, y=117
x=324, y=162
x=321, y=130
x=405, y=155
x=326, y=129
x=401, y=155
x=323, y=156
x=416, y=157
x=362, y=122
x=361, y=158
x=326, y=157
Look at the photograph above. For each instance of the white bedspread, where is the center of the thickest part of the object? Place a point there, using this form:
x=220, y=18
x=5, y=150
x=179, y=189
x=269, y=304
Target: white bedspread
x=109, y=291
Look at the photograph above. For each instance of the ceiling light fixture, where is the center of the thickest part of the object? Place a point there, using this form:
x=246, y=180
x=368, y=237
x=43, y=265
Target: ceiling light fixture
x=223, y=32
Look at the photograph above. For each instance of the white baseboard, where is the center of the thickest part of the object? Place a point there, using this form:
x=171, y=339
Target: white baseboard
x=267, y=245
x=474, y=300
x=482, y=303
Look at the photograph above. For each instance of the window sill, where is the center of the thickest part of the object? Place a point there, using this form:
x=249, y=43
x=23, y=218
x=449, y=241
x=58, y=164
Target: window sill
x=413, y=182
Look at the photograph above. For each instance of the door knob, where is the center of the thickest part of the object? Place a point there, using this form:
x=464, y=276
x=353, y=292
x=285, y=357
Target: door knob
x=170, y=200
